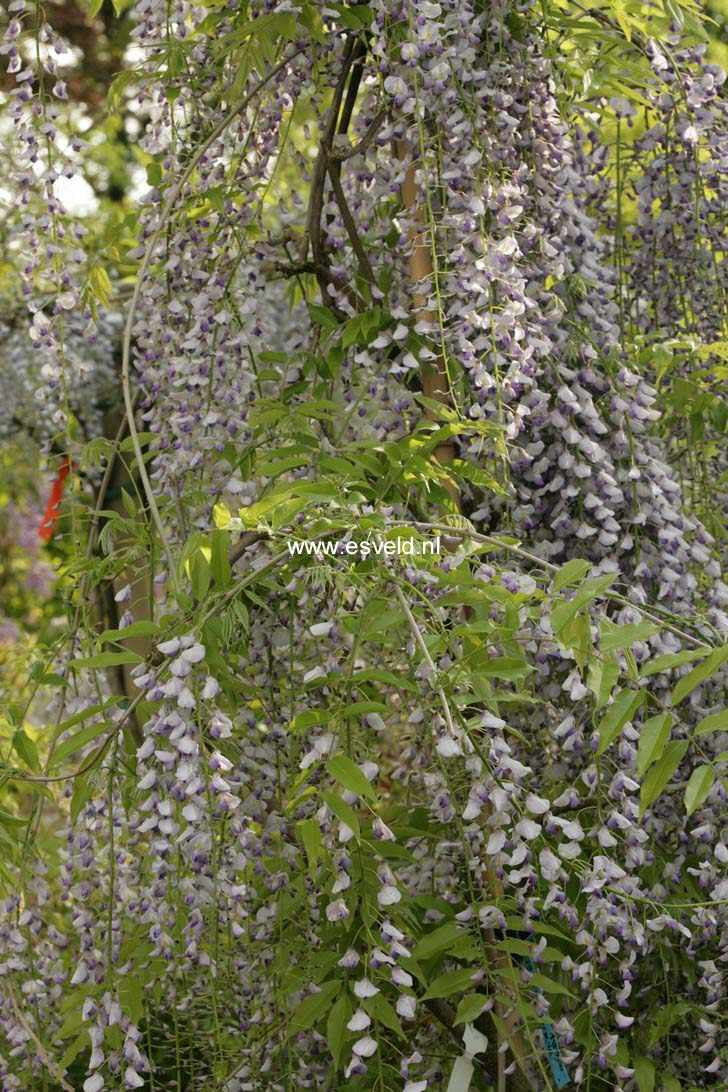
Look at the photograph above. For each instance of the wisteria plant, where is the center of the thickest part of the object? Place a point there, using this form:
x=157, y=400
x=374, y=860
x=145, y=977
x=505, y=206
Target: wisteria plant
x=383, y=744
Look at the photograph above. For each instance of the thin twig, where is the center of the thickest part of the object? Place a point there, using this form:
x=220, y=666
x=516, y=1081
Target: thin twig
x=476, y=536
x=47, y=1060
x=34, y=434
x=412, y=621
x=517, y=551
x=500, y=959
x=322, y=272
x=435, y=382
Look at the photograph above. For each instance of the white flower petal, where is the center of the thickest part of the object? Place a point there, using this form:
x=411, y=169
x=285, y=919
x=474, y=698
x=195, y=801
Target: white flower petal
x=527, y=829
x=195, y=654
x=406, y=1006
x=364, y=1048
x=496, y=842
x=536, y=804
x=359, y=1021
x=364, y=988
x=388, y=895
x=448, y=747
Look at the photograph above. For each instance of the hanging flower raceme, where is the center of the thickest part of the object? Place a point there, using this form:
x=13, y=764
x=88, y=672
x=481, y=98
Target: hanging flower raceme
x=376, y=802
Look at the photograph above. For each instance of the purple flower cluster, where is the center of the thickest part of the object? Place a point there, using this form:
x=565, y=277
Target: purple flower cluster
x=71, y=362
x=241, y=866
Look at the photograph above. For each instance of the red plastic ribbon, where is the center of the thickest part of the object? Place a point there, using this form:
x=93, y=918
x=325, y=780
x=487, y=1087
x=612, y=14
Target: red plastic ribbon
x=53, y=508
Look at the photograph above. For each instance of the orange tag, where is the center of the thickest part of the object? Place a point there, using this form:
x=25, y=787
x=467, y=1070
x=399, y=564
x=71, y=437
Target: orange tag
x=53, y=508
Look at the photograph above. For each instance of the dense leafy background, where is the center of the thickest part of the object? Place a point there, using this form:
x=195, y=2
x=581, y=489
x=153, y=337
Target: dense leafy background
x=275, y=273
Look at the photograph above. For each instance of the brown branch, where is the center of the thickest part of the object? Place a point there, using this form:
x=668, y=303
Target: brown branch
x=116, y=426
x=361, y=146
x=322, y=272
x=249, y=539
x=333, y=163
x=123, y=678
x=318, y=182
x=350, y=225
x=357, y=71
x=337, y=124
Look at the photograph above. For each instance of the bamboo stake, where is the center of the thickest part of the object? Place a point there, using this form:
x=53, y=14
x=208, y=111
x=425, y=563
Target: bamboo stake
x=436, y=387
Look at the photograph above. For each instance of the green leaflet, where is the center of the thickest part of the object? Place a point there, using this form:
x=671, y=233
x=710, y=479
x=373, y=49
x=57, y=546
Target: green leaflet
x=661, y=772
x=86, y=735
x=565, y=610
x=644, y=1074
x=716, y=722
x=654, y=734
x=106, y=659
x=314, y=1006
x=697, y=789
x=26, y=749
x=342, y=811
x=451, y=982
x=624, y=636
x=438, y=940
x=699, y=674
x=348, y=774
x=622, y=709
x=671, y=660
x=336, y=1030
x=470, y=1008
x=570, y=573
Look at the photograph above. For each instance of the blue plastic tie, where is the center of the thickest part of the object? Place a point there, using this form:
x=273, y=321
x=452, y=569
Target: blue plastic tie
x=553, y=1053
x=551, y=1043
